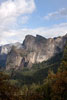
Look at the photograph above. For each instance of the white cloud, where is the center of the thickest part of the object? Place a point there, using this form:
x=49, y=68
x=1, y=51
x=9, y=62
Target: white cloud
x=19, y=35
x=24, y=19
x=11, y=9
x=61, y=13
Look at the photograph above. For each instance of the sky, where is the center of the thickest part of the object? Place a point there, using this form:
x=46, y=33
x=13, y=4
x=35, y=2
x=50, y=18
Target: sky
x=19, y=18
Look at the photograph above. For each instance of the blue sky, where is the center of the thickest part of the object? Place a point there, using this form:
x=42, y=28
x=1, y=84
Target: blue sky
x=45, y=17
x=43, y=8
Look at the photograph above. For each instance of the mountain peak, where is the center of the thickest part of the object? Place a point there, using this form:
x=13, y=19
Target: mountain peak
x=39, y=36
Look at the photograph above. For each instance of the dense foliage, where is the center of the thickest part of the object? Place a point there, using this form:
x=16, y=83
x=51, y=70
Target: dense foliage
x=63, y=65
x=8, y=91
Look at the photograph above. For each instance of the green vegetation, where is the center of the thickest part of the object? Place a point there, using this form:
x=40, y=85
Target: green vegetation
x=63, y=65
x=8, y=91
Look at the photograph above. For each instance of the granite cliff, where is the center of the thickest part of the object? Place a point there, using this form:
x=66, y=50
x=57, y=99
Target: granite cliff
x=32, y=50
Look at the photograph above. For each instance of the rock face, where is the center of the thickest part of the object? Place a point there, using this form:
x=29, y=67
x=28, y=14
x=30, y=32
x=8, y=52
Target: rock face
x=4, y=50
x=13, y=59
x=33, y=50
x=41, y=48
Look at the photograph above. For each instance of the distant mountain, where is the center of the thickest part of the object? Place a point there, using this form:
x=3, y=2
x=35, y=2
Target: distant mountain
x=32, y=50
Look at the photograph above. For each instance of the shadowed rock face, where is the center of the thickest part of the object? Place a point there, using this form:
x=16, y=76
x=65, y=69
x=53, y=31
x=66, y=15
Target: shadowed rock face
x=33, y=50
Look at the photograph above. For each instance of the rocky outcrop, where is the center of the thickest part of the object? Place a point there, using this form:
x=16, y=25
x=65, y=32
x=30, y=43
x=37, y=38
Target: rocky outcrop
x=42, y=48
x=13, y=59
x=33, y=50
x=4, y=51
